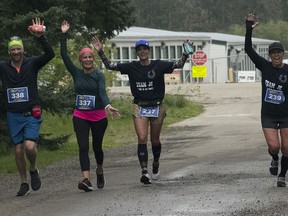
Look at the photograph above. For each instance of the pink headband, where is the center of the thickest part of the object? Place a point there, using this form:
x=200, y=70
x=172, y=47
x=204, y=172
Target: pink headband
x=82, y=51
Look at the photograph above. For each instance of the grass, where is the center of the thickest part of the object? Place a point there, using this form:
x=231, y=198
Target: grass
x=120, y=132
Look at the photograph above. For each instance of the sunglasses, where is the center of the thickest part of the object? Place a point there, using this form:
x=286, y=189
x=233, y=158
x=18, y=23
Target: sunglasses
x=15, y=38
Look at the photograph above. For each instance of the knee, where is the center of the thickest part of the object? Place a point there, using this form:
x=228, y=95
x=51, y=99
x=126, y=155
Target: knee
x=155, y=141
x=83, y=149
x=97, y=148
x=142, y=139
x=274, y=148
x=30, y=148
x=19, y=149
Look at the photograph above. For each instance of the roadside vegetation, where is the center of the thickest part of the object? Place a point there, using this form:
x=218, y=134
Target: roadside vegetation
x=120, y=132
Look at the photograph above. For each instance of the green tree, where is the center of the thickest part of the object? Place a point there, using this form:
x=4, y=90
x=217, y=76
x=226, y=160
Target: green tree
x=104, y=18
x=87, y=18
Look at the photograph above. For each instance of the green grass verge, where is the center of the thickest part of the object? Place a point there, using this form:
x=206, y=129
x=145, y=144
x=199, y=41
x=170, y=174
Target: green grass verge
x=120, y=132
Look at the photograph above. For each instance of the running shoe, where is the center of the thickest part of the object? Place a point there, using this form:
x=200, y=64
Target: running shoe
x=145, y=179
x=155, y=171
x=24, y=190
x=100, y=181
x=35, y=180
x=281, y=182
x=274, y=167
x=85, y=185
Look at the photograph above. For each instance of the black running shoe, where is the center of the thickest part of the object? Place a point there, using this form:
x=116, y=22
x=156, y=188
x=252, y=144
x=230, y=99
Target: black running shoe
x=85, y=185
x=24, y=190
x=274, y=167
x=281, y=182
x=100, y=181
x=145, y=179
x=35, y=180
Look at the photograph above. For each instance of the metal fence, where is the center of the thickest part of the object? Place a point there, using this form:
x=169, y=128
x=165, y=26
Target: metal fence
x=218, y=70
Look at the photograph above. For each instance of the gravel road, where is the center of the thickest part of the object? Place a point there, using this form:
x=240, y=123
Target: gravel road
x=213, y=164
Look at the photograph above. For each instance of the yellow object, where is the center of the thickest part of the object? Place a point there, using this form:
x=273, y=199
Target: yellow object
x=199, y=71
x=231, y=75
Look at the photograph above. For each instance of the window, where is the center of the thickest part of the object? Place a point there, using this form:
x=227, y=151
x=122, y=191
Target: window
x=116, y=53
x=133, y=53
x=179, y=51
x=151, y=53
x=172, y=52
x=165, y=52
x=157, y=52
x=125, y=53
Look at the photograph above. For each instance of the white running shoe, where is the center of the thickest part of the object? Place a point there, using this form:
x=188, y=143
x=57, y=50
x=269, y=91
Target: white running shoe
x=155, y=176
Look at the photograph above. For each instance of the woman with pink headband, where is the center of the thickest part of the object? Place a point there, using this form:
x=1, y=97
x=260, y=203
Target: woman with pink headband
x=92, y=103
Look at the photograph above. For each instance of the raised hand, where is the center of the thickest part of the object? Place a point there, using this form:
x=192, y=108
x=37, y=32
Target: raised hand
x=251, y=17
x=96, y=43
x=37, y=21
x=188, y=47
x=65, y=26
x=37, y=28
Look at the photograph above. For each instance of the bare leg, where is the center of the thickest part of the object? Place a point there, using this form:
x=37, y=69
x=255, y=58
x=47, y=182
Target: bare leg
x=21, y=162
x=31, y=153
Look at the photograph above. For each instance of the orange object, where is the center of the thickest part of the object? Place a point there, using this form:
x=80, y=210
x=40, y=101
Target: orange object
x=37, y=28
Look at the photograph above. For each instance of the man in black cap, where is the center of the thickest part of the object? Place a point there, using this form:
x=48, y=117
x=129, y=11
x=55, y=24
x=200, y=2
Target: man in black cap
x=274, y=109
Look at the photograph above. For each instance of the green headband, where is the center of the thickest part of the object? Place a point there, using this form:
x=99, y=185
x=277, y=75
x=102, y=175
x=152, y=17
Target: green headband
x=15, y=42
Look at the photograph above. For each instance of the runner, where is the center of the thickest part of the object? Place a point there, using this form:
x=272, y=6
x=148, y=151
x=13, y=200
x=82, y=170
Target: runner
x=274, y=110
x=148, y=89
x=92, y=103
x=19, y=78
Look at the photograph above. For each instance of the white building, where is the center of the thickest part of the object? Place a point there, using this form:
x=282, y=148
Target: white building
x=226, y=57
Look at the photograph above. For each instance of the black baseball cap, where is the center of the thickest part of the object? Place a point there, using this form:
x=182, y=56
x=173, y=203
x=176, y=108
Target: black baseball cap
x=276, y=45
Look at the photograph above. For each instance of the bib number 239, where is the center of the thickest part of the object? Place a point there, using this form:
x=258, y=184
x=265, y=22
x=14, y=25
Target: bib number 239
x=149, y=111
x=274, y=96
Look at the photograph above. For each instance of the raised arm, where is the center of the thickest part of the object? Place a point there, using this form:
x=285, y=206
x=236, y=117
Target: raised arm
x=250, y=25
x=98, y=47
x=47, y=48
x=180, y=62
x=65, y=26
x=187, y=49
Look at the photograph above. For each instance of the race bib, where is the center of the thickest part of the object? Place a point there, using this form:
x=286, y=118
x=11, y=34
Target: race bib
x=85, y=102
x=16, y=95
x=149, y=111
x=274, y=96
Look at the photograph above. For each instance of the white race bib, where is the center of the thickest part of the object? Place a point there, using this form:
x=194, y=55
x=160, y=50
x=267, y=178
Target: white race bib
x=85, y=102
x=149, y=111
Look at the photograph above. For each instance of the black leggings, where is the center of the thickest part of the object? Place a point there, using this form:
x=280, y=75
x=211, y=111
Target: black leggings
x=82, y=128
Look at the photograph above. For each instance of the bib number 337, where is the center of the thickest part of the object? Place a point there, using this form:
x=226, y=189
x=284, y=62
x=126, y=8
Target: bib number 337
x=85, y=102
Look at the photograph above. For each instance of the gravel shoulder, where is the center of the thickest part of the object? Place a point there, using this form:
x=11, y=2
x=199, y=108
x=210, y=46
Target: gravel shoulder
x=213, y=164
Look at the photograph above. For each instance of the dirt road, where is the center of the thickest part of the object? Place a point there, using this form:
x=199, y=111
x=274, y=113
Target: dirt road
x=213, y=164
